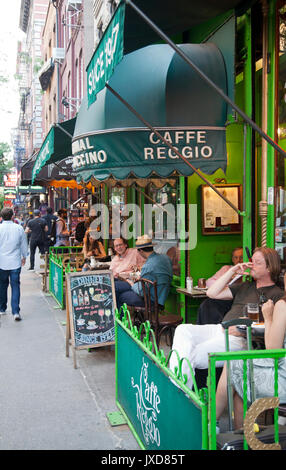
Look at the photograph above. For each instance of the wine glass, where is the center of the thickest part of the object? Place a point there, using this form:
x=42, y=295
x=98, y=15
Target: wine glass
x=107, y=314
x=101, y=314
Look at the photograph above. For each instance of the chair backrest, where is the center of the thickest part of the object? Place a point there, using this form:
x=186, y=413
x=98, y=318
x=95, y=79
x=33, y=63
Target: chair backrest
x=151, y=306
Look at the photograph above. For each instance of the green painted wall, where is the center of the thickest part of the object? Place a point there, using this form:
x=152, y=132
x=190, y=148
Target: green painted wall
x=213, y=251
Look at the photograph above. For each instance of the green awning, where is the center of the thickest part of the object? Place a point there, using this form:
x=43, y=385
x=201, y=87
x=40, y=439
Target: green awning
x=56, y=146
x=110, y=141
x=26, y=173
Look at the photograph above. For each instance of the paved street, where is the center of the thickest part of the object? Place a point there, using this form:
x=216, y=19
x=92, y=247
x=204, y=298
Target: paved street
x=44, y=402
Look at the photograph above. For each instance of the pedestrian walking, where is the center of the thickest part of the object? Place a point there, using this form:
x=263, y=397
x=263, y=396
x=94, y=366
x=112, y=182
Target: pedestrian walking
x=30, y=217
x=62, y=232
x=13, y=253
x=50, y=218
x=37, y=227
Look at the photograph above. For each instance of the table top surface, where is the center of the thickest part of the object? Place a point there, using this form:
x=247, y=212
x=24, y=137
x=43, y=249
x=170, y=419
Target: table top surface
x=193, y=293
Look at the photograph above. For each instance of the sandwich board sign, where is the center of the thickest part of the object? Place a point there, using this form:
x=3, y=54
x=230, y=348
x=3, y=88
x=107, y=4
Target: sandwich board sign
x=90, y=304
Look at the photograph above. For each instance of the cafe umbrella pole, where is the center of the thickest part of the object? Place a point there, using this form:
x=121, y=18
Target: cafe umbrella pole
x=147, y=124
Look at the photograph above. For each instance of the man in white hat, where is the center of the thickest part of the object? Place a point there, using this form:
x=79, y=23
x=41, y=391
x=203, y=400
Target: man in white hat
x=156, y=268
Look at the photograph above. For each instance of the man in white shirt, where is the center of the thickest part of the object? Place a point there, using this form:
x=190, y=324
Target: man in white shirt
x=13, y=253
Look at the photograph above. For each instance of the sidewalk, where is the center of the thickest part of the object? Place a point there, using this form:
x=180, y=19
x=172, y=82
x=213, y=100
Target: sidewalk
x=46, y=404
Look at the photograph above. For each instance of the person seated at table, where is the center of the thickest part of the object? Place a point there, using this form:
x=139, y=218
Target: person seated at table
x=174, y=255
x=126, y=260
x=92, y=246
x=81, y=229
x=156, y=268
x=212, y=311
x=194, y=342
x=236, y=257
x=263, y=369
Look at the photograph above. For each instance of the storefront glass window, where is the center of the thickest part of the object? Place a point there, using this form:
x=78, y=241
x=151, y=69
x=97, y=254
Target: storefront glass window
x=117, y=199
x=280, y=229
x=165, y=221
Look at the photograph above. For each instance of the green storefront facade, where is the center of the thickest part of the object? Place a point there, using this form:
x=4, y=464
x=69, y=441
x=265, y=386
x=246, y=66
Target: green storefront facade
x=239, y=36
x=244, y=34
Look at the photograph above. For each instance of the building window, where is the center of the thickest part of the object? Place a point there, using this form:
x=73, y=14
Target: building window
x=81, y=75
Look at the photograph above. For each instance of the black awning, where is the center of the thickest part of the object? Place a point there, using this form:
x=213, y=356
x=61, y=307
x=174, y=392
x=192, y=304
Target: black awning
x=46, y=73
x=60, y=171
x=26, y=173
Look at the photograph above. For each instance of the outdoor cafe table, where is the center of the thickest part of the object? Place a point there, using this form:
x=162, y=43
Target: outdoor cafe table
x=100, y=265
x=195, y=294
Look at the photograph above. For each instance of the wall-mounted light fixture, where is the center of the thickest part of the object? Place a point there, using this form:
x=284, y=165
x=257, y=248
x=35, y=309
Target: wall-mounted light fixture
x=67, y=102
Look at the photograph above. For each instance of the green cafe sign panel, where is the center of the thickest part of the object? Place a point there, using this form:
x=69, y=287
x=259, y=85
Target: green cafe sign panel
x=106, y=56
x=159, y=411
x=46, y=150
x=141, y=153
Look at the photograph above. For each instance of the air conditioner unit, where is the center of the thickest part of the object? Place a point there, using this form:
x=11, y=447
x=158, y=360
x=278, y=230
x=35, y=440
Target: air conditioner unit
x=74, y=5
x=58, y=53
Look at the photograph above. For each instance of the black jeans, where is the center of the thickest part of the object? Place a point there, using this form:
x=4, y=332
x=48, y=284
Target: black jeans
x=33, y=246
x=212, y=311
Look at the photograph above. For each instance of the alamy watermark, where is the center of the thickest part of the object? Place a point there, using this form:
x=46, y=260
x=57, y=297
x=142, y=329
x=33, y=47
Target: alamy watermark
x=169, y=222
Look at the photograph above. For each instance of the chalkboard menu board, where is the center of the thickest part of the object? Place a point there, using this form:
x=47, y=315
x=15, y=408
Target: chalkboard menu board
x=90, y=308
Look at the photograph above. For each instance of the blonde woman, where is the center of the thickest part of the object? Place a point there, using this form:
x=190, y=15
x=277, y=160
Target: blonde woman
x=92, y=246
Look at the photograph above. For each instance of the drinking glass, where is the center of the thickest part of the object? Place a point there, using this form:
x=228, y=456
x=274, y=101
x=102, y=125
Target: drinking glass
x=101, y=314
x=253, y=312
x=107, y=314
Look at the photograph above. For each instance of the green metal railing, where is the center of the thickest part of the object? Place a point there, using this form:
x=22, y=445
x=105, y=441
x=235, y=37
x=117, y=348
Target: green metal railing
x=246, y=357
x=64, y=250
x=57, y=270
x=137, y=351
x=56, y=279
x=133, y=344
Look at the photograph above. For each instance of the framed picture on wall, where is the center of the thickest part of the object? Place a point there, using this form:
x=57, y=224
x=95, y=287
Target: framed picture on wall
x=217, y=216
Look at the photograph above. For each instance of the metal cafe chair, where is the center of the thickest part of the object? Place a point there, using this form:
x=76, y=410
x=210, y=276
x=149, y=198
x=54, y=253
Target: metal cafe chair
x=151, y=311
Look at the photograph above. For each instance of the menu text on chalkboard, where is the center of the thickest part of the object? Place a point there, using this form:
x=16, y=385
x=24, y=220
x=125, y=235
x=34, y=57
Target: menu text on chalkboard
x=91, y=305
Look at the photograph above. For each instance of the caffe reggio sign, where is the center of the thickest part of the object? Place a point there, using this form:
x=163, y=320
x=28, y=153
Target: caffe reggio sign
x=141, y=153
